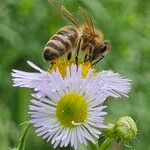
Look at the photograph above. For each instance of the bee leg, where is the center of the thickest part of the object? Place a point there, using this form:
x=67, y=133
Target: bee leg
x=52, y=63
x=98, y=60
x=90, y=53
x=85, y=57
x=78, y=49
x=69, y=56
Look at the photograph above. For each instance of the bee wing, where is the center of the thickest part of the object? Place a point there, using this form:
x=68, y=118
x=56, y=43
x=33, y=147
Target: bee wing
x=69, y=16
x=64, y=12
x=88, y=19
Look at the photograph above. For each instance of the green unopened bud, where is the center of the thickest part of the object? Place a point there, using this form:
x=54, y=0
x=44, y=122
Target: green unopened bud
x=125, y=129
x=108, y=132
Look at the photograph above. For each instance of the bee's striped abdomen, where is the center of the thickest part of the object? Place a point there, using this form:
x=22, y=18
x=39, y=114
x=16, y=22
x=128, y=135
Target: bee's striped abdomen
x=60, y=43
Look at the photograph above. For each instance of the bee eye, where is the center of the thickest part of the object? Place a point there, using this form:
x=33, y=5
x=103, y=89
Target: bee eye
x=103, y=48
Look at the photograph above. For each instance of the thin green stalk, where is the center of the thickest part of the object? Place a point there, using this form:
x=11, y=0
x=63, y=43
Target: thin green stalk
x=24, y=137
x=106, y=144
x=94, y=146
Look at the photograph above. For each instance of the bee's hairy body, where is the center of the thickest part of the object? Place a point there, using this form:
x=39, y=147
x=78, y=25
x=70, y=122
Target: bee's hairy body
x=67, y=39
x=80, y=37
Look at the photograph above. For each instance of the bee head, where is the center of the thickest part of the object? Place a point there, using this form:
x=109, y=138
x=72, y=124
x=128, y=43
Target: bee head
x=101, y=50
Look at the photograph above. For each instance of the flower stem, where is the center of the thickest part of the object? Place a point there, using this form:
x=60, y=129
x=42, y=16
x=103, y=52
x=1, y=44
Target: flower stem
x=24, y=137
x=106, y=143
x=94, y=146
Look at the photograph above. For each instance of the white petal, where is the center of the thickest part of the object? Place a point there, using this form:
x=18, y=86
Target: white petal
x=35, y=67
x=113, y=83
x=68, y=138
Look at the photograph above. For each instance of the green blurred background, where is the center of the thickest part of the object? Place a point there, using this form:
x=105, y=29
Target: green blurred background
x=25, y=27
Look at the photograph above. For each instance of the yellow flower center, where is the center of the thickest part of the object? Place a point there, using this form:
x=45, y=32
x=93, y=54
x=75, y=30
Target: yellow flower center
x=63, y=64
x=71, y=110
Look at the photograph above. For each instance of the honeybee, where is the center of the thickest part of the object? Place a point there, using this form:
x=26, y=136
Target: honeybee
x=81, y=37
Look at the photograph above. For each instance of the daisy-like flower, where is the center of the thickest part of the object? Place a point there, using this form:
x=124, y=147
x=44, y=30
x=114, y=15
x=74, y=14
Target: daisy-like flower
x=68, y=108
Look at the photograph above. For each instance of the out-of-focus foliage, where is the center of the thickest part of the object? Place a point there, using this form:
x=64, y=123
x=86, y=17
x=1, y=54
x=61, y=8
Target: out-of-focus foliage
x=25, y=27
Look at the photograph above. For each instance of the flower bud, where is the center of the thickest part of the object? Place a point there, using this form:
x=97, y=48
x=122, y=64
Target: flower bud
x=125, y=129
x=108, y=132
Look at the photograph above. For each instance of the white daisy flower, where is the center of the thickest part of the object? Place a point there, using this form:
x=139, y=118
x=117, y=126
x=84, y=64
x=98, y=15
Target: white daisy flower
x=68, y=109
